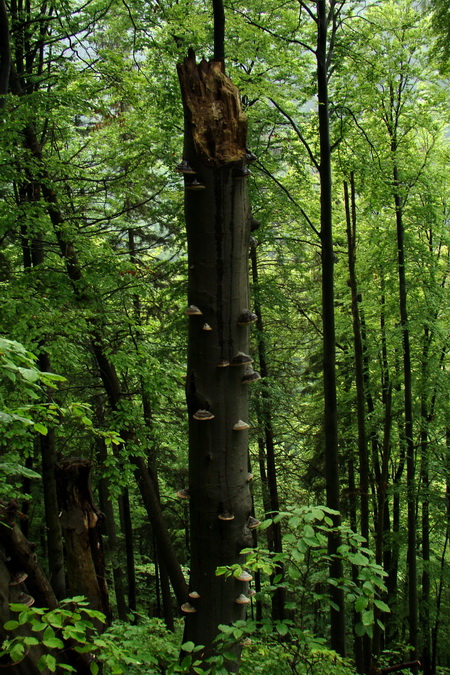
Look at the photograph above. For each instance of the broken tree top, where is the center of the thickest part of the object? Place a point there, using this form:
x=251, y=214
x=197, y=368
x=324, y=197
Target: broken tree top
x=213, y=111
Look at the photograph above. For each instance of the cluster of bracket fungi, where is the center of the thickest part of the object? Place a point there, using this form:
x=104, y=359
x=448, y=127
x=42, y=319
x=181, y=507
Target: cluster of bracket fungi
x=245, y=318
x=242, y=599
x=240, y=359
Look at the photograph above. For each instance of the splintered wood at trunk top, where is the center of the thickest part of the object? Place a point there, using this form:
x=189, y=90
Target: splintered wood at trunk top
x=218, y=227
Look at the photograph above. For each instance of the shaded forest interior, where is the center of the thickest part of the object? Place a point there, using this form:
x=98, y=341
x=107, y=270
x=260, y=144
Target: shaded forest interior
x=224, y=337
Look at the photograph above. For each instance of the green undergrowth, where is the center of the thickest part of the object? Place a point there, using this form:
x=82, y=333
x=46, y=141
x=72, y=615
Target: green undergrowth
x=149, y=648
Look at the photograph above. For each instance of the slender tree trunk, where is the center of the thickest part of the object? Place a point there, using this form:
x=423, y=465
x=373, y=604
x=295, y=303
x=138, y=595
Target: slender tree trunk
x=127, y=527
x=53, y=526
x=329, y=339
x=218, y=227
x=350, y=209
x=112, y=544
x=5, y=54
x=408, y=416
x=440, y=588
x=275, y=534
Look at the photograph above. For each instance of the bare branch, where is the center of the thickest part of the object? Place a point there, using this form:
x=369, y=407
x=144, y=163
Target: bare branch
x=290, y=197
x=298, y=133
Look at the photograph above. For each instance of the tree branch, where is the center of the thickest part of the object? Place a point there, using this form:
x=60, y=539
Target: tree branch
x=299, y=134
x=286, y=191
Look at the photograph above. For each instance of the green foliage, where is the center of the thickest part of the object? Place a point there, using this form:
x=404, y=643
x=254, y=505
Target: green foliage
x=20, y=383
x=306, y=563
x=72, y=621
x=146, y=646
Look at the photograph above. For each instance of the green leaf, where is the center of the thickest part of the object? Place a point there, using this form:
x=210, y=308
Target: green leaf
x=48, y=633
x=17, y=652
x=53, y=643
x=31, y=641
x=51, y=663
x=367, y=617
x=29, y=374
x=382, y=605
x=358, y=559
x=360, y=629
x=40, y=429
x=282, y=629
x=188, y=646
x=186, y=662
x=361, y=603
x=11, y=625
x=94, y=667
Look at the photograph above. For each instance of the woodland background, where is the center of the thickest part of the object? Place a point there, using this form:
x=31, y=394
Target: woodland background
x=93, y=266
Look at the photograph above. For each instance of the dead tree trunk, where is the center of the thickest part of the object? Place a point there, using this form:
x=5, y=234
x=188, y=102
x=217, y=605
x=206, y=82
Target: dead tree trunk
x=80, y=520
x=21, y=557
x=218, y=228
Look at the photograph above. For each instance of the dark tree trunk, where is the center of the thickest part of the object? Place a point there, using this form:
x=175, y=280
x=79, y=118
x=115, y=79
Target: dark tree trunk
x=111, y=544
x=443, y=562
x=274, y=532
x=53, y=525
x=350, y=209
x=329, y=340
x=5, y=53
x=127, y=528
x=21, y=556
x=408, y=415
x=218, y=225
x=80, y=522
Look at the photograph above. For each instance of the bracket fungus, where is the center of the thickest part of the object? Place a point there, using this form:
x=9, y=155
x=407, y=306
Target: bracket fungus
x=185, y=168
x=241, y=359
x=242, y=600
x=194, y=185
x=246, y=317
x=25, y=599
x=244, y=576
x=193, y=310
x=250, y=375
x=250, y=156
x=242, y=172
x=187, y=608
x=194, y=595
x=184, y=493
x=225, y=516
x=253, y=523
x=223, y=363
x=18, y=578
x=241, y=426
x=203, y=415
x=206, y=326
